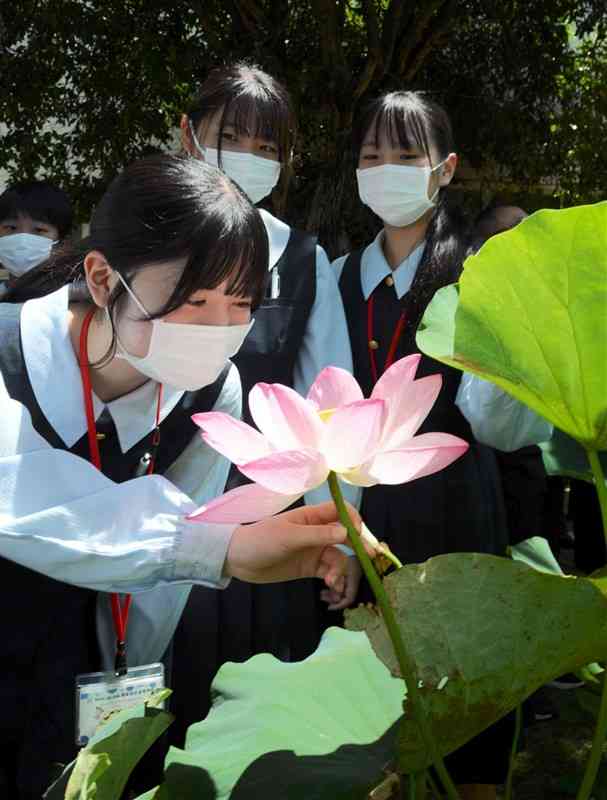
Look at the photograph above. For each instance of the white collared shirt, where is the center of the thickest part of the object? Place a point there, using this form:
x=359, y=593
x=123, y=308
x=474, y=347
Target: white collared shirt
x=495, y=417
x=60, y=516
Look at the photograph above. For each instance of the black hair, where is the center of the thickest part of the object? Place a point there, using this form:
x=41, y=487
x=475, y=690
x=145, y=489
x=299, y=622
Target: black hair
x=255, y=103
x=413, y=121
x=41, y=201
x=488, y=223
x=160, y=209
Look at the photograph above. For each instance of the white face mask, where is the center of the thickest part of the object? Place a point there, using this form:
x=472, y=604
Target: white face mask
x=255, y=175
x=20, y=252
x=397, y=194
x=187, y=357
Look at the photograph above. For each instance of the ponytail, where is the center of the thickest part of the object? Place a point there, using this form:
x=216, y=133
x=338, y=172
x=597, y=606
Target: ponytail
x=442, y=259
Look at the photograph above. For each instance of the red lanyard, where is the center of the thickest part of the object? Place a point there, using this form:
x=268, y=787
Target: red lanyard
x=120, y=610
x=373, y=345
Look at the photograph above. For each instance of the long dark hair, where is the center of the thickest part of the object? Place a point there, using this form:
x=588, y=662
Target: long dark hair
x=411, y=120
x=255, y=103
x=162, y=209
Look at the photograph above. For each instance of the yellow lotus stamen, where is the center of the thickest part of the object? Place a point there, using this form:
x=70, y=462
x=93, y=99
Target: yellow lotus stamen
x=326, y=414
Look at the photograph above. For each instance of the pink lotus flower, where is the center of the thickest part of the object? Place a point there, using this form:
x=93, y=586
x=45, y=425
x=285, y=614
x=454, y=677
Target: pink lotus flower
x=365, y=442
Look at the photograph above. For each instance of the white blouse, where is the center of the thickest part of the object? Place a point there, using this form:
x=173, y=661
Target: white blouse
x=62, y=517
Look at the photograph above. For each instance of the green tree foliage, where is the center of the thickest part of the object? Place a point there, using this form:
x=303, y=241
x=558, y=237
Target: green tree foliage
x=87, y=86
x=578, y=131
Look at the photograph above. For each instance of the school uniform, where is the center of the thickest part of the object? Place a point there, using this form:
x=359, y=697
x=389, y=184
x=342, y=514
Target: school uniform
x=299, y=329
x=70, y=534
x=461, y=508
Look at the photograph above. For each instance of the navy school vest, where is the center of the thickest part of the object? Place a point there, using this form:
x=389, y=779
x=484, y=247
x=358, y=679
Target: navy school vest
x=270, y=351
x=48, y=636
x=459, y=509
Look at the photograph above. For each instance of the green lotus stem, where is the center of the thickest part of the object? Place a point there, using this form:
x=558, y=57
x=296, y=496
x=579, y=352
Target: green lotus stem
x=407, y=668
x=600, y=731
x=596, y=754
x=436, y=793
x=601, y=487
x=513, y=751
x=412, y=786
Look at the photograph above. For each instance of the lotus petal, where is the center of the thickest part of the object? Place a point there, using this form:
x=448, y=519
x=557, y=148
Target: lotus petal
x=286, y=419
x=234, y=439
x=401, y=373
x=288, y=471
x=407, y=409
x=423, y=455
x=334, y=387
x=353, y=434
x=248, y=503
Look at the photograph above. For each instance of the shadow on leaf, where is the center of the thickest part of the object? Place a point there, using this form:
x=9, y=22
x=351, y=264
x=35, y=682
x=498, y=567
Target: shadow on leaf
x=349, y=773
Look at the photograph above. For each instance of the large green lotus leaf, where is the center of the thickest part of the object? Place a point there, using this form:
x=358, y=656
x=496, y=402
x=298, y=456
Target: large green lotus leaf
x=103, y=767
x=531, y=316
x=564, y=456
x=488, y=632
x=320, y=729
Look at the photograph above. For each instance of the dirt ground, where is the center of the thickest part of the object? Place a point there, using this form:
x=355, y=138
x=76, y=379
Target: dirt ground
x=554, y=752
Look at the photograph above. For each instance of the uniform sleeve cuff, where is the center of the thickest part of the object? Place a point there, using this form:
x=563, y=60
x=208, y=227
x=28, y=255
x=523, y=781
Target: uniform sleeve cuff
x=201, y=553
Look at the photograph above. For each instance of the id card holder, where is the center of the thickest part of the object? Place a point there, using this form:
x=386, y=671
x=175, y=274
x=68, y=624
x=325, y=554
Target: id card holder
x=100, y=695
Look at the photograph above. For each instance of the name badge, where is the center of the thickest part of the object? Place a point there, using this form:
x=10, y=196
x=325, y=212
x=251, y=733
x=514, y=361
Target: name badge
x=100, y=695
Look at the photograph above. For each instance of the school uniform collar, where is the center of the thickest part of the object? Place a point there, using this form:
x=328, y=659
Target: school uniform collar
x=278, y=236
x=374, y=268
x=54, y=374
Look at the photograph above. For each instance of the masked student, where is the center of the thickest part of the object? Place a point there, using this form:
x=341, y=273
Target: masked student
x=34, y=216
x=99, y=460
x=405, y=156
x=242, y=121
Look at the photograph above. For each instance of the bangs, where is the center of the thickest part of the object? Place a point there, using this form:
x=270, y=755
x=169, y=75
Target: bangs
x=403, y=125
x=252, y=101
x=13, y=205
x=256, y=112
x=409, y=121
x=40, y=201
x=238, y=254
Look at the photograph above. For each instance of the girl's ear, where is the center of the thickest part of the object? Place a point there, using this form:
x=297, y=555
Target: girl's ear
x=100, y=277
x=447, y=171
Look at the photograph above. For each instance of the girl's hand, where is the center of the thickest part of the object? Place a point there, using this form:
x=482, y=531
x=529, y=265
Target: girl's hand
x=295, y=544
x=338, y=601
